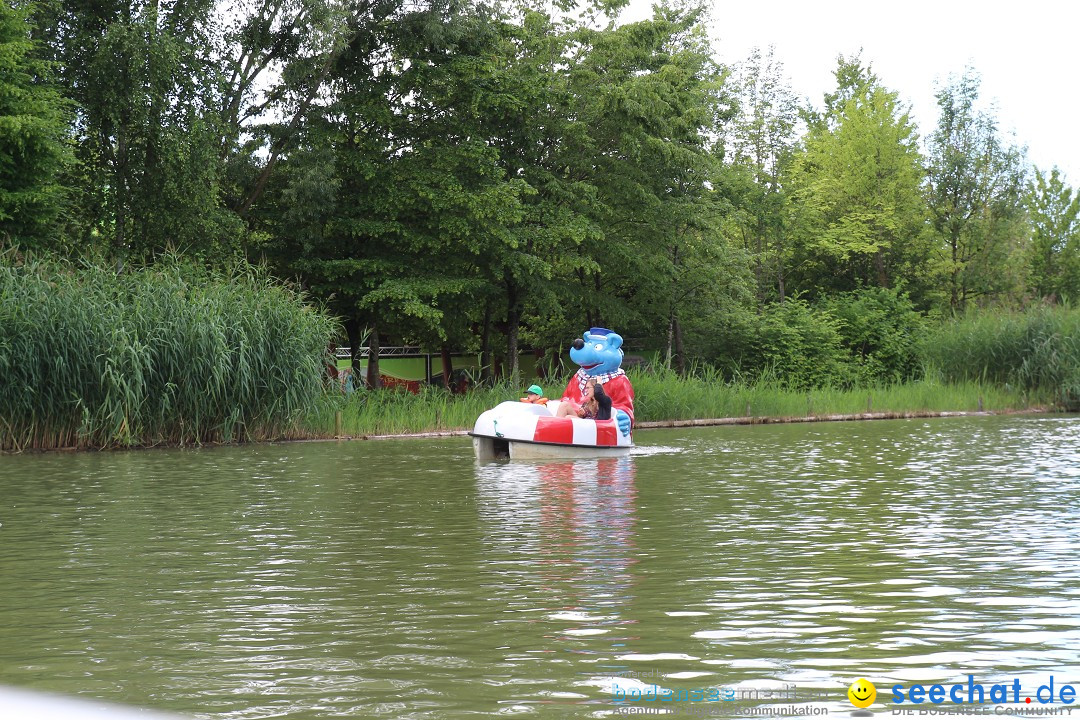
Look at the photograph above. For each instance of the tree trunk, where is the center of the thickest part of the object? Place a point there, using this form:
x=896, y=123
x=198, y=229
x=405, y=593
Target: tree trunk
x=879, y=264
x=352, y=333
x=121, y=165
x=674, y=304
x=670, y=337
x=513, y=321
x=447, y=366
x=374, y=379
x=780, y=267
x=485, y=346
x=954, y=279
x=680, y=355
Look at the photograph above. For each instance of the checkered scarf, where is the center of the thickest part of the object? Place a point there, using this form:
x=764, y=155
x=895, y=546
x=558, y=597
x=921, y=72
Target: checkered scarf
x=582, y=378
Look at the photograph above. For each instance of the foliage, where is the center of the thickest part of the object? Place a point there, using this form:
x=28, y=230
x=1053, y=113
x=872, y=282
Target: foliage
x=975, y=194
x=644, y=97
x=880, y=328
x=789, y=343
x=858, y=206
x=173, y=354
x=33, y=127
x=1054, y=209
x=758, y=148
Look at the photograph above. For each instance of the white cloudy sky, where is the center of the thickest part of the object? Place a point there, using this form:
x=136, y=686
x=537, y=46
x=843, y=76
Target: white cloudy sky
x=1028, y=54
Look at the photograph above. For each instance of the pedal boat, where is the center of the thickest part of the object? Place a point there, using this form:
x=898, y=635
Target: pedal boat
x=522, y=431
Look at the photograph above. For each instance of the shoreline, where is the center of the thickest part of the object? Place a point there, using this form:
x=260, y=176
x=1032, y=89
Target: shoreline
x=715, y=422
x=645, y=425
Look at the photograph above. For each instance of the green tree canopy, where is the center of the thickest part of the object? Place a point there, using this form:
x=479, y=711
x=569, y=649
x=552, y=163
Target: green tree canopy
x=33, y=130
x=976, y=185
x=1054, y=209
x=858, y=206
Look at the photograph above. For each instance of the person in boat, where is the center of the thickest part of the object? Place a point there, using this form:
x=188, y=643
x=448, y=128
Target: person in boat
x=587, y=408
x=603, y=402
x=535, y=396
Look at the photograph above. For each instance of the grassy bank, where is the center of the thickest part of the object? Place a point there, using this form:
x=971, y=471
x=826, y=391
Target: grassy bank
x=171, y=355
x=666, y=396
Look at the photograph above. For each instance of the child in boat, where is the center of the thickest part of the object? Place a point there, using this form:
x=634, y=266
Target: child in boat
x=588, y=407
x=535, y=396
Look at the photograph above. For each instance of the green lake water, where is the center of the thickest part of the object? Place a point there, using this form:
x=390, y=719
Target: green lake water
x=400, y=579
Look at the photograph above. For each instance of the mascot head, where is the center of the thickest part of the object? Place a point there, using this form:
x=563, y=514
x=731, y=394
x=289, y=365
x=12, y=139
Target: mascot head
x=598, y=351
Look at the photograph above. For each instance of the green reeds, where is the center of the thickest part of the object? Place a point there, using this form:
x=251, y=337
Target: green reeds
x=1037, y=350
x=172, y=354
x=663, y=395
x=396, y=411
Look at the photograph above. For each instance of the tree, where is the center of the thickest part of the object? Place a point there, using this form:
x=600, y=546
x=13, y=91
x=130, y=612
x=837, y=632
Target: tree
x=33, y=129
x=975, y=194
x=1054, y=210
x=148, y=173
x=758, y=148
x=645, y=101
x=401, y=197
x=858, y=205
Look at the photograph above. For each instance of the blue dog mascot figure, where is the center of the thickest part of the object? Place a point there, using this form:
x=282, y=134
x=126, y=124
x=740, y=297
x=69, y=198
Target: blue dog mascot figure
x=599, y=354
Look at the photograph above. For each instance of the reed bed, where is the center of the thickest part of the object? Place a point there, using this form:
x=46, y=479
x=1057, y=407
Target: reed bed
x=397, y=411
x=1037, y=350
x=172, y=354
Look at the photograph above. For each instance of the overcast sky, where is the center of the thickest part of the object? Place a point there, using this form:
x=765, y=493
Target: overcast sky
x=1028, y=54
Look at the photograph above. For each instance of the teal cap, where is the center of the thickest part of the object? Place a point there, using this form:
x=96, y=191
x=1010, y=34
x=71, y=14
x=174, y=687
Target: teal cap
x=535, y=389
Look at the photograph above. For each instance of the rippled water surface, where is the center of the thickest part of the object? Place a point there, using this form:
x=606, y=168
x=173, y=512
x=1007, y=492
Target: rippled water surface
x=400, y=579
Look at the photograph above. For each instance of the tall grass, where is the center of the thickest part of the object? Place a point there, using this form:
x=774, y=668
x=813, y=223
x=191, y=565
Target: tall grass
x=1037, y=350
x=395, y=411
x=664, y=395
x=172, y=354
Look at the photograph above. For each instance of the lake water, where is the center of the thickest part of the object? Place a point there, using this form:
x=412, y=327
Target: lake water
x=400, y=579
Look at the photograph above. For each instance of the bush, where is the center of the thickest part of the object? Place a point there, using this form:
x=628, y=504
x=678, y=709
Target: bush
x=880, y=328
x=791, y=343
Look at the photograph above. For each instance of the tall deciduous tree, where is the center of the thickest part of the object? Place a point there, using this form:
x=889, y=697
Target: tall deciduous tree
x=402, y=200
x=975, y=192
x=758, y=147
x=33, y=128
x=650, y=98
x=857, y=184
x=142, y=75
x=1054, y=209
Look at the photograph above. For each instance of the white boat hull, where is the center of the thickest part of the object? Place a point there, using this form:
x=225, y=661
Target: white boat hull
x=521, y=431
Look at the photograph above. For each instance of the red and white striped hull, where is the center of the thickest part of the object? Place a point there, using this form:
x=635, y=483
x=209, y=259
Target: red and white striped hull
x=523, y=431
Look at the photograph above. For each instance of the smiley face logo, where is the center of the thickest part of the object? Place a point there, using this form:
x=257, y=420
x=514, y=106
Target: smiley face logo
x=862, y=693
